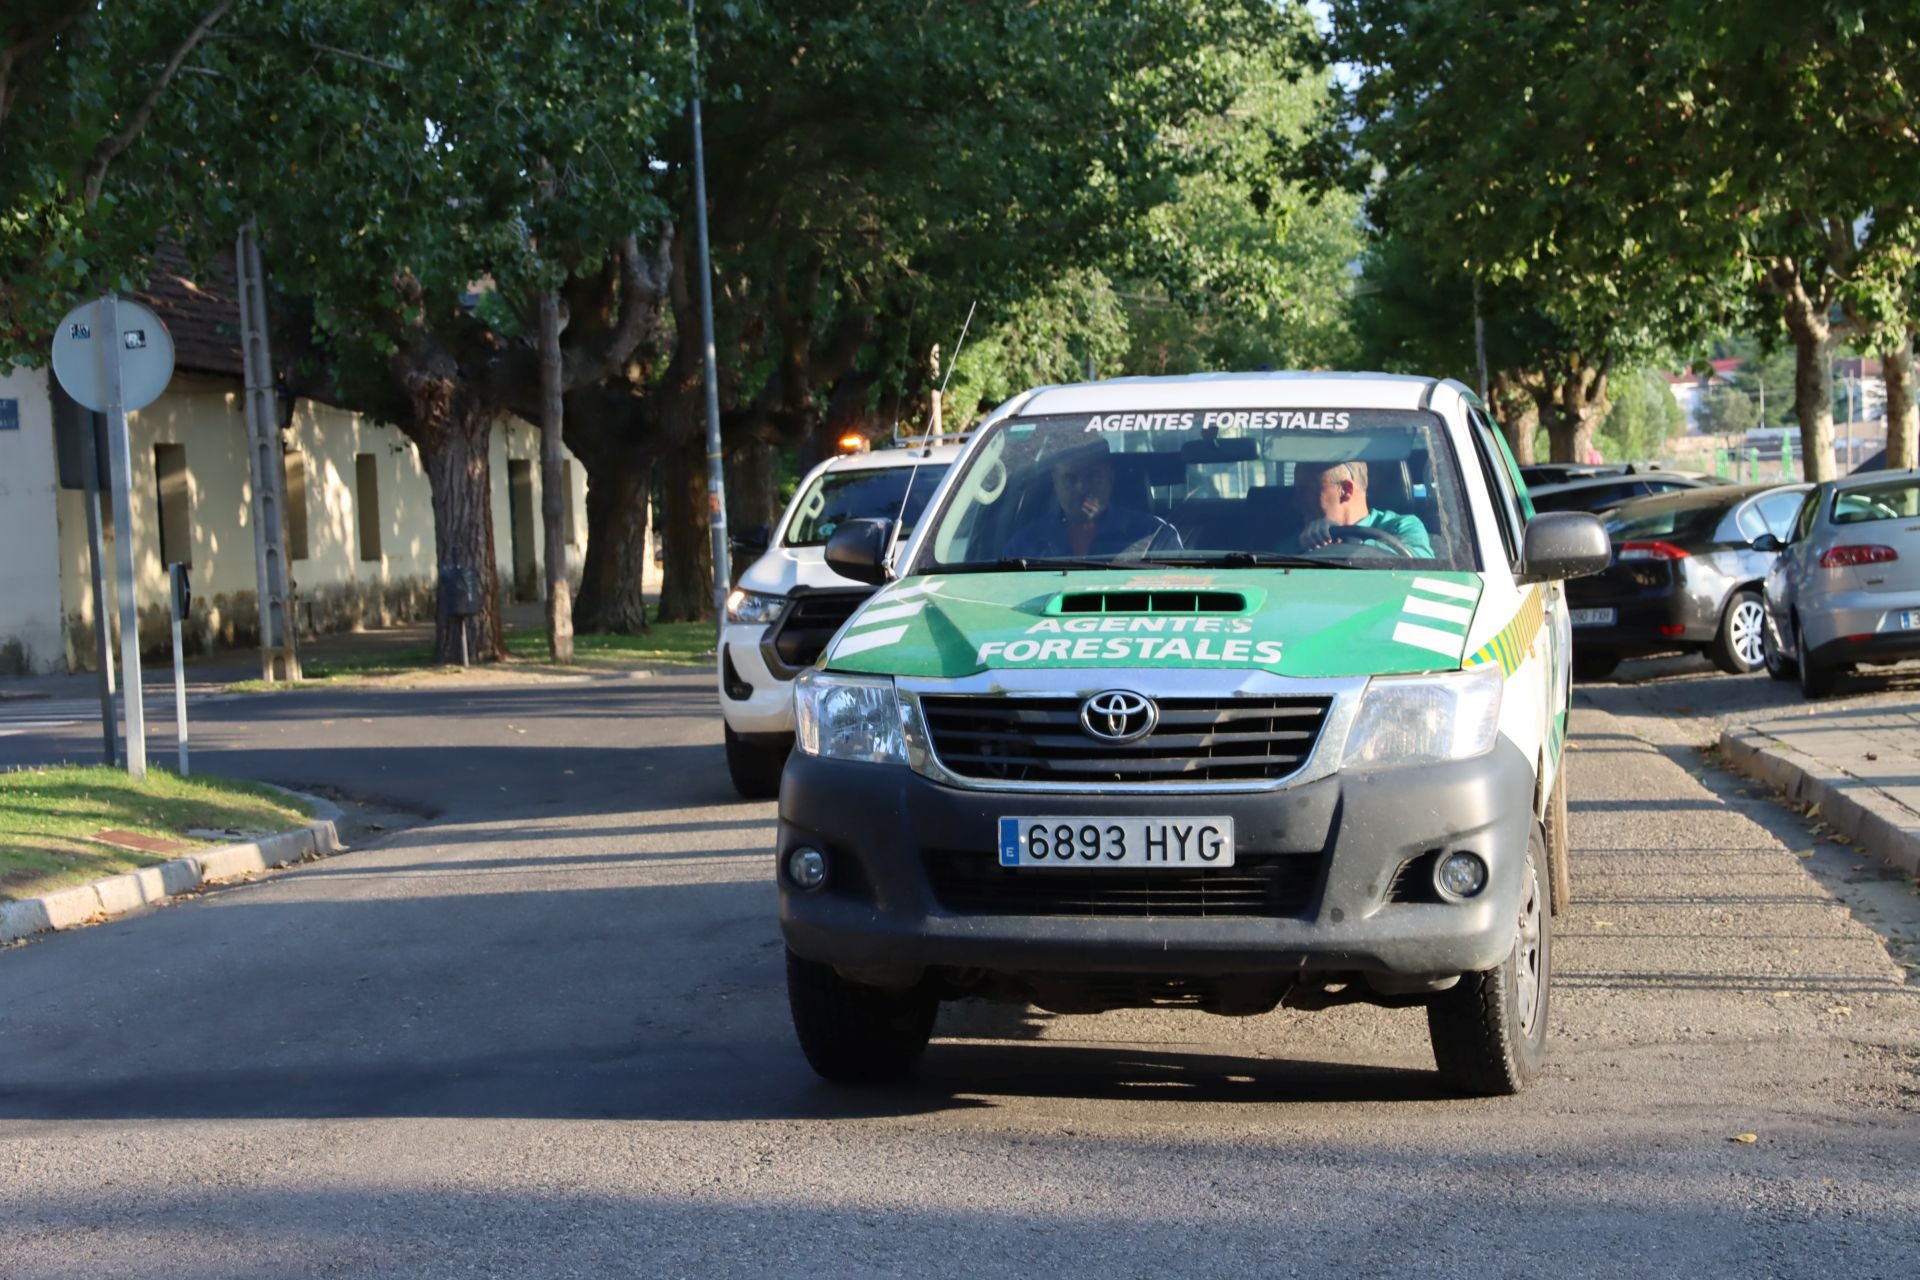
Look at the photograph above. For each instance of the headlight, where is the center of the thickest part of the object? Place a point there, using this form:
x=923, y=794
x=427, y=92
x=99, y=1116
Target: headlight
x=848, y=718
x=1426, y=719
x=751, y=606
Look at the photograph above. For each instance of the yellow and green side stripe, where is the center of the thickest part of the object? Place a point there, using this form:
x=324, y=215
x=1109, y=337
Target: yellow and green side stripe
x=1515, y=640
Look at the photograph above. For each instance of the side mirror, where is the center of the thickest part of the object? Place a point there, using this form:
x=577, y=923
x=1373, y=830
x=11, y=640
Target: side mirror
x=858, y=550
x=1767, y=542
x=1563, y=544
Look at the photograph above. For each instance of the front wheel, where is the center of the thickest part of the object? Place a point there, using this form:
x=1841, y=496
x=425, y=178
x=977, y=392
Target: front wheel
x=1738, y=647
x=754, y=768
x=1490, y=1031
x=853, y=1033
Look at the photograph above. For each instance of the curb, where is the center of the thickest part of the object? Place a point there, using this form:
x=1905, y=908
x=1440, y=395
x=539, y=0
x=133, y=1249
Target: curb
x=117, y=895
x=1857, y=811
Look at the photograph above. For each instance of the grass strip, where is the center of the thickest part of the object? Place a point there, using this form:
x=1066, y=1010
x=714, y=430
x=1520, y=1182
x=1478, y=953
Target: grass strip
x=46, y=815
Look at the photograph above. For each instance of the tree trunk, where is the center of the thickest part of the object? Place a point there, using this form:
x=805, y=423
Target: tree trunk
x=1571, y=406
x=553, y=509
x=1516, y=415
x=1903, y=416
x=686, y=587
x=452, y=433
x=619, y=494
x=1812, y=336
x=752, y=485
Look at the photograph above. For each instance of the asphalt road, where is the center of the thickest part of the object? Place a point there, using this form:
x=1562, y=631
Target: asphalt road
x=536, y=1027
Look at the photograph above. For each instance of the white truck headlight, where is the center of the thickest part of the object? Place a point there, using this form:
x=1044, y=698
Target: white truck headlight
x=1426, y=719
x=848, y=718
x=751, y=606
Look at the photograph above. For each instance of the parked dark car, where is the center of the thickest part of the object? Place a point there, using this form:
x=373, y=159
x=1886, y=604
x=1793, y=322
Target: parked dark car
x=1601, y=493
x=1685, y=575
x=1544, y=473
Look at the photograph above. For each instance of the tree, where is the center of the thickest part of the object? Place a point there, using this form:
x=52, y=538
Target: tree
x=418, y=195
x=1050, y=336
x=1730, y=412
x=81, y=85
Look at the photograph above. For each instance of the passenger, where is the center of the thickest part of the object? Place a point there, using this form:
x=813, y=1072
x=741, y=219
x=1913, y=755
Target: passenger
x=1332, y=495
x=1087, y=522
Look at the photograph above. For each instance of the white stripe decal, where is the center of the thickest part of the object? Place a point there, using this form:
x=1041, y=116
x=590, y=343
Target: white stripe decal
x=886, y=611
x=1434, y=609
x=929, y=586
x=1440, y=588
x=872, y=640
x=1443, y=642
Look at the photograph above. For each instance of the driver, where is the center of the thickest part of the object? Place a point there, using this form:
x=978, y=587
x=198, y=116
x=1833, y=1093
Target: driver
x=1333, y=496
x=1086, y=521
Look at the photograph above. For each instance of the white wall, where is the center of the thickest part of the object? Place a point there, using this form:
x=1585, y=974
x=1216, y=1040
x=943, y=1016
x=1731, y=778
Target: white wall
x=30, y=639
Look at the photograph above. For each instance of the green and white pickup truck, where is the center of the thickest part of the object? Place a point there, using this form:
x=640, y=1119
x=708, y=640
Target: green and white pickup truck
x=1223, y=692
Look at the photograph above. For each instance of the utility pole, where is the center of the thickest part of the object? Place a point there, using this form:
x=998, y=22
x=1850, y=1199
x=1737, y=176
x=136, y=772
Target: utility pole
x=716, y=463
x=1480, y=341
x=279, y=635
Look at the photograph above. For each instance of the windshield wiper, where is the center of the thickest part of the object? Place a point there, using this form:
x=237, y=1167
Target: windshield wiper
x=1019, y=564
x=1239, y=560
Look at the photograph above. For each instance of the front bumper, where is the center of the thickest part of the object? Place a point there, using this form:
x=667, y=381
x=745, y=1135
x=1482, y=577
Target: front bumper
x=767, y=707
x=880, y=917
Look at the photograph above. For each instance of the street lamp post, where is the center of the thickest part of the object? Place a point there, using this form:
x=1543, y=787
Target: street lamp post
x=716, y=469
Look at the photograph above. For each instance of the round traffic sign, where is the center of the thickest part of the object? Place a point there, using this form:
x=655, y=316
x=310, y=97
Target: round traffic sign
x=144, y=347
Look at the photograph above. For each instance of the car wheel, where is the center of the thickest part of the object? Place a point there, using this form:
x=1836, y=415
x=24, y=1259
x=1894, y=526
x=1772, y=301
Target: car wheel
x=1738, y=647
x=1489, y=1031
x=1816, y=681
x=853, y=1033
x=1594, y=664
x=1559, y=843
x=1779, y=665
x=754, y=768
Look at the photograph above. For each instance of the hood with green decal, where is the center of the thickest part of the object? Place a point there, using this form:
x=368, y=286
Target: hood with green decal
x=1307, y=622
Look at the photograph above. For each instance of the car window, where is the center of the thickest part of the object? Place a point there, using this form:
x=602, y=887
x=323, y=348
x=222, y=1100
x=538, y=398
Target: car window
x=889, y=493
x=1200, y=486
x=1778, y=511
x=1668, y=523
x=1803, y=523
x=1751, y=523
x=1506, y=508
x=1894, y=500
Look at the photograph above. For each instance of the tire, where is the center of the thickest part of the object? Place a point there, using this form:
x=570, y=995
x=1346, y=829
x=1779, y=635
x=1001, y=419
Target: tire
x=755, y=769
x=1739, y=646
x=1816, y=681
x=1489, y=1032
x=1779, y=665
x=1559, y=842
x=1594, y=664
x=855, y=1034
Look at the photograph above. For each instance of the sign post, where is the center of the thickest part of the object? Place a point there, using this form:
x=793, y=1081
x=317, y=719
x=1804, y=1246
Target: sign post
x=97, y=569
x=114, y=356
x=179, y=605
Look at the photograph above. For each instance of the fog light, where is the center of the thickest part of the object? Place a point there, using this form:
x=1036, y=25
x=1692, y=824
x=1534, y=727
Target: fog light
x=807, y=868
x=1460, y=876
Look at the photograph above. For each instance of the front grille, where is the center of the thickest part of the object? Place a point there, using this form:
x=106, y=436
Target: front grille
x=810, y=620
x=1241, y=739
x=971, y=882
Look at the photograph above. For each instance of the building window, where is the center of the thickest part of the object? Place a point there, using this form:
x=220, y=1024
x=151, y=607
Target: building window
x=176, y=515
x=295, y=490
x=366, y=475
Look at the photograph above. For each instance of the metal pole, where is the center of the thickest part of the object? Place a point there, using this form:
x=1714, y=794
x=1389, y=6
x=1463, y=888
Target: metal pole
x=179, y=674
x=102, y=624
x=122, y=454
x=716, y=469
x=1480, y=342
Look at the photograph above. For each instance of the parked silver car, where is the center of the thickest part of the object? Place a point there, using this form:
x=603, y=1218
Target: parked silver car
x=1846, y=588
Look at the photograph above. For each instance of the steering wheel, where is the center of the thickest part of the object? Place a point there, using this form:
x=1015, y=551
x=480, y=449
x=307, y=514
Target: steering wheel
x=1347, y=533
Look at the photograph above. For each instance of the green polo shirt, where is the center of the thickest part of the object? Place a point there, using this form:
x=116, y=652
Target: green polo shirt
x=1406, y=528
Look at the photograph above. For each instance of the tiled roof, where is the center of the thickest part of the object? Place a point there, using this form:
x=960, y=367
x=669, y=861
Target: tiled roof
x=200, y=309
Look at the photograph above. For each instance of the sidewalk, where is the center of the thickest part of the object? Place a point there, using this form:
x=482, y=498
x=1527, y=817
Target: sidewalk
x=1859, y=763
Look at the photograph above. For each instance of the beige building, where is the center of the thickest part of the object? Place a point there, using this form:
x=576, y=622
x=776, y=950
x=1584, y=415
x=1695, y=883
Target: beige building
x=359, y=517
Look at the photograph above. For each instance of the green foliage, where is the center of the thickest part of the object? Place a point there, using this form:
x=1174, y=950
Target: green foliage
x=1730, y=411
x=1641, y=419
x=1046, y=337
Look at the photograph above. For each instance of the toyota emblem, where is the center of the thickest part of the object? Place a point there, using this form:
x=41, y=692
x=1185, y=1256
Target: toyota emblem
x=1118, y=716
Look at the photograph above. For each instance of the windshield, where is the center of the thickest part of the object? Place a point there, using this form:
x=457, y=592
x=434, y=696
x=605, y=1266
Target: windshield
x=1352, y=488
x=887, y=493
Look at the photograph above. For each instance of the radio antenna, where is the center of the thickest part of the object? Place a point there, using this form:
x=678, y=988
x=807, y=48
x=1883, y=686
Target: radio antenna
x=958, y=346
